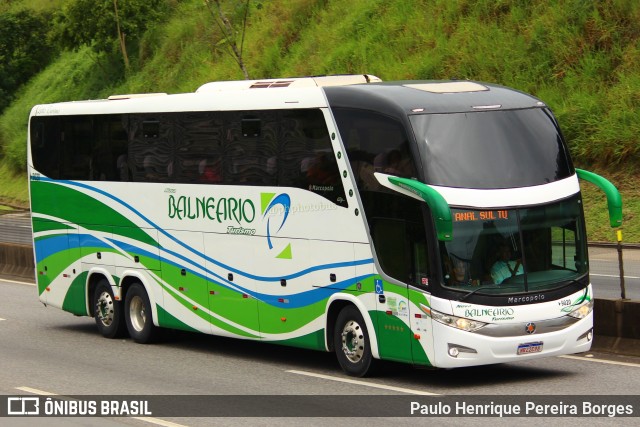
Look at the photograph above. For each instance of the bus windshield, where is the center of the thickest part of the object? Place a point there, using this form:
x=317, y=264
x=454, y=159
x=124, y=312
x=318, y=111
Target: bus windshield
x=491, y=149
x=508, y=251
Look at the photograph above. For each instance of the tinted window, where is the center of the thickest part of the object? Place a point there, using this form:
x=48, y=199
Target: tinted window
x=305, y=156
x=374, y=143
x=276, y=147
x=79, y=147
x=397, y=229
x=378, y=143
x=151, y=147
x=496, y=149
x=250, y=141
x=45, y=140
x=198, y=153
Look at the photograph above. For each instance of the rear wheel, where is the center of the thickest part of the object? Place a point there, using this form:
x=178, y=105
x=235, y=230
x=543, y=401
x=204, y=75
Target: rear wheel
x=107, y=311
x=137, y=309
x=351, y=343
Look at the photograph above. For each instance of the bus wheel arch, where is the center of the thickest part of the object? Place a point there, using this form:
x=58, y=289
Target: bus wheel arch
x=332, y=315
x=352, y=343
x=335, y=304
x=351, y=335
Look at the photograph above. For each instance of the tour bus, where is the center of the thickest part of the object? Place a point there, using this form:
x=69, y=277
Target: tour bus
x=437, y=223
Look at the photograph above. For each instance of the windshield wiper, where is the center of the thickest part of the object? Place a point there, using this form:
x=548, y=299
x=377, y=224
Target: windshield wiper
x=464, y=297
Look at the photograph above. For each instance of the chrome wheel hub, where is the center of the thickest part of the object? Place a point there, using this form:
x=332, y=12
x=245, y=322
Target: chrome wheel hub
x=137, y=313
x=353, y=341
x=104, y=308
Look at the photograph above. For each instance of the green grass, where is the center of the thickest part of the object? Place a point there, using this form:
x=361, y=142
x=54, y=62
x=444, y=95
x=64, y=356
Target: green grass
x=581, y=57
x=13, y=191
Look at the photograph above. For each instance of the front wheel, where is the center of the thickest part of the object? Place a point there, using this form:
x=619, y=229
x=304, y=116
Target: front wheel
x=137, y=313
x=351, y=343
x=107, y=311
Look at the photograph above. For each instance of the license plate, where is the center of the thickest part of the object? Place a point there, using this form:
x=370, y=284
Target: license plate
x=530, y=347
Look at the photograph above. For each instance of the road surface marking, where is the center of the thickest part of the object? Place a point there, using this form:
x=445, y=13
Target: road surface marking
x=364, y=383
x=614, y=276
x=36, y=391
x=156, y=421
x=1, y=319
x=609, y=362
x=17, y=282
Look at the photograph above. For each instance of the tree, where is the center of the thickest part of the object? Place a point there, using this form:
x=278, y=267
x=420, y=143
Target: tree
x=24, y=50
x=106, y=25
x=229, y=32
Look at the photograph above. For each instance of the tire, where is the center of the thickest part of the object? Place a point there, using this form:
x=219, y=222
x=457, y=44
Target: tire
x=138, y=317
x=107, y=311
x=351, y=343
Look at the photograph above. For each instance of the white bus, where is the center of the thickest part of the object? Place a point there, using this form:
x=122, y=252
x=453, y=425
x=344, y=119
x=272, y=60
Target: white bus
x=433, y=223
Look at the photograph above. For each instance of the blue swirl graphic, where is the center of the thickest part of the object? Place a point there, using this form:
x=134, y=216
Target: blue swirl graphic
x=285, y=201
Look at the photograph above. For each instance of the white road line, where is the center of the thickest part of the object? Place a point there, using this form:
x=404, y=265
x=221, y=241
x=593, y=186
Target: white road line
x=35, y=391
x=156, y=421
x=364, y=383
x=17, y=283
x=1, y=319
x=613, y=275
x=608, y=362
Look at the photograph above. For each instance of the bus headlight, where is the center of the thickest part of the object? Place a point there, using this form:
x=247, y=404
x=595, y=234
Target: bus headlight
x=582, y=311
x=457, y=322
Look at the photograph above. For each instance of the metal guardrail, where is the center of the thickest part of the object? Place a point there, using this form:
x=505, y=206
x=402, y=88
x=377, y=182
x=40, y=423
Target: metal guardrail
x=15, y=227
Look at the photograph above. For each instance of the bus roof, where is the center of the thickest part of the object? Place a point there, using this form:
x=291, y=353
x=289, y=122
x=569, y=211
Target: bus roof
x=295, y=82
x=423, y=97
x=299, y=92
x=351, y=91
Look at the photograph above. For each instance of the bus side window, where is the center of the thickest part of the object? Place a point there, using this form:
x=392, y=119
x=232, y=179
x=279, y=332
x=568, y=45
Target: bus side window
x=250, y=141
x=45, y=140
x=78, y=137
x=378, y=143
x=399, y=238
x=307, y=157
x=150, y=156
x=197, y=148
x=374, y=143
x=401, y=248
x=388, y=237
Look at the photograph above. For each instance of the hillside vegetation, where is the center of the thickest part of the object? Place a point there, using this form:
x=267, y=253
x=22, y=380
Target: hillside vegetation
x=581, y=57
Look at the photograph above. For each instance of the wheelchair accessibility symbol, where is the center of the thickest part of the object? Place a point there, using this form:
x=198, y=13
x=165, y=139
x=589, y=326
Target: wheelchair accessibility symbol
x=379, y=287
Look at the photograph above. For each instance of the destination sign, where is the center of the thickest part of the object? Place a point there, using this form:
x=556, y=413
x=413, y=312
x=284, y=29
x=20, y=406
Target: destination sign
x=480, y=215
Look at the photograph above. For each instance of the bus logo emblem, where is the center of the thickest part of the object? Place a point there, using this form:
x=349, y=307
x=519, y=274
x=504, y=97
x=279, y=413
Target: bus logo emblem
x=279, y=205
x=530, y=328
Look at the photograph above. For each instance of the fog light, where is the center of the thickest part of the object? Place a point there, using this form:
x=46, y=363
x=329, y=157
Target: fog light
x=456, y=349
x=587, y=335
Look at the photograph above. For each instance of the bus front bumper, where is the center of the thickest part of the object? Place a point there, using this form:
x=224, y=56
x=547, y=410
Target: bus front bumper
x=456, y=348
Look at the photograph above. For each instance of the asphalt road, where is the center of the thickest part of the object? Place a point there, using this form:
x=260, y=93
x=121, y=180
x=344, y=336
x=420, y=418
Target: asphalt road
x=45, y=350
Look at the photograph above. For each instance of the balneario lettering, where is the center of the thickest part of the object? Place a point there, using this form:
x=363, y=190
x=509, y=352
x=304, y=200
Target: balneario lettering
x=479, y=312
x=220, y=210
